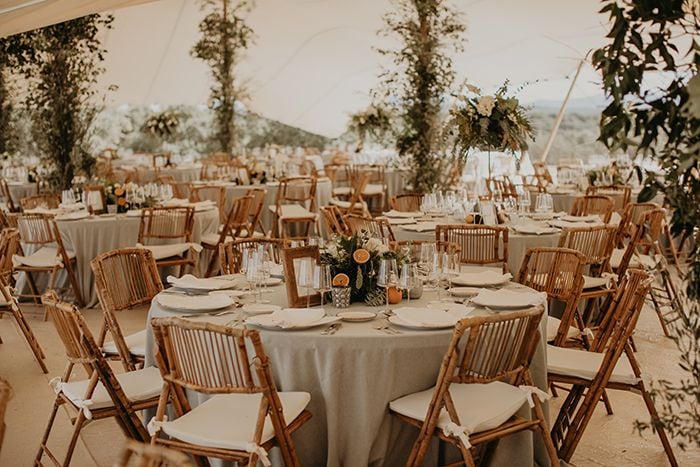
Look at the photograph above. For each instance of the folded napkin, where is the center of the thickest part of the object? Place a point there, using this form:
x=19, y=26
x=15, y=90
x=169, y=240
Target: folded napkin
x=508, y=298
x=41, y=210
x=588, y=218
x=401, y=220
x=426, y=317
x=420, y=226
x=485, y=278
x=166, y=251
x=295, y=317
x=72, y=206
x=174, y=202
x=72, y=216
x=188, y=281
x=568, y=225
x=194, y=303
x=394, y=213
x=533, y=229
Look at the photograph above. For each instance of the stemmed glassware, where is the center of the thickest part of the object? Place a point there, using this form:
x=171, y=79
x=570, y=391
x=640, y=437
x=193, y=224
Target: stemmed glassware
x=525, y=202
x=322, y=280
x=408, y=279
x=387, y=278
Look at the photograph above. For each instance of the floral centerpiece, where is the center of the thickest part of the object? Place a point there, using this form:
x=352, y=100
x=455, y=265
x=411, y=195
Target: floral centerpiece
x=354, y=262
x=375, y=121
x=489, y=123
x=162, y=126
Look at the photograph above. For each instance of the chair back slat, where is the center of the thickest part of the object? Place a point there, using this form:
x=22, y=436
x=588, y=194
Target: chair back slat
x=595, y=243
x=47, y=201
x=298, y=190
x=408, y=202
x=556, y=271
x=257, y=204
x=237, y=219
x=378, y=228
x=231, y=252
x=619, y=194
x=9, y=245
x=166, y=223
x=478, y=244
x=214, y=193
x=334, y=220
x=35, y=229
x=593, y=204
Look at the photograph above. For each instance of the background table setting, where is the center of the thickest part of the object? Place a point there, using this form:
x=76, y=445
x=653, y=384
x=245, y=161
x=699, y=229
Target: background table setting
x=354, y=361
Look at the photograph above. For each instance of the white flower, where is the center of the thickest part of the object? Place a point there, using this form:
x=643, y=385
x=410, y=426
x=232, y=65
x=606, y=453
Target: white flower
x=332, y=250
x=484, y=105
x=376, y=245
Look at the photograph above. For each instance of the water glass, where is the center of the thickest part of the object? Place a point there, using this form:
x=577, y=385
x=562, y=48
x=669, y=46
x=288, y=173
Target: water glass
x=322, y=279
x=387, y=278
x=408, y=279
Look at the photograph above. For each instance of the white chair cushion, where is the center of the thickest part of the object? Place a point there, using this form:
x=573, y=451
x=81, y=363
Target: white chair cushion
x=585, y=365
x=637, y=261
x=228, y=421
x=135, y=342
x=553, y=326
x=167, y=251
x=595, y=282
x=293, y=210
x=373, y=189
x=138, y=385
x=346, y=204
x=44, y=257
x=342, y=191
x=480, y=407
x=213, y=239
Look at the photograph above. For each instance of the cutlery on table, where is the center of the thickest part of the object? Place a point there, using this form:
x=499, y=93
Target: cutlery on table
x=330, y=330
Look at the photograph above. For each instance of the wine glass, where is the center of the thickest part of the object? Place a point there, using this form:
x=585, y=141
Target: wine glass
x=427, y=250
x=408, y=279
x=387, y=278
x=322, y=280
x=525, y=202
x=305, y=277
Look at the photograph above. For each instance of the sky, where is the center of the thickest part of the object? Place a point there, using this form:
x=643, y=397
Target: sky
x=314, y=61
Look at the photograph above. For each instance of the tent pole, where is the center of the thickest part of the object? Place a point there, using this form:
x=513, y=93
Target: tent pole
x=560, y=115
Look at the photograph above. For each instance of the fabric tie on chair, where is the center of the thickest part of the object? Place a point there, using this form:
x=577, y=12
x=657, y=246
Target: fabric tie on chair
x=452, y=429
x=260, y=452
x=530, y=390
x=154, y=426
x=57, y=386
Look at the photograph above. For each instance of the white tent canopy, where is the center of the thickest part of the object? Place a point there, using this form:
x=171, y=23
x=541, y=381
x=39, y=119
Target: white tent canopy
x=313, y=62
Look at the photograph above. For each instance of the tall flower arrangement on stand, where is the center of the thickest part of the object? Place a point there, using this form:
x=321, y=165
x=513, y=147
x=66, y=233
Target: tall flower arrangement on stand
x=489, y=122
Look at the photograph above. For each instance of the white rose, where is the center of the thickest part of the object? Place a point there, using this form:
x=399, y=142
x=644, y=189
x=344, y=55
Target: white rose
x=373, y=244
x=484, y=105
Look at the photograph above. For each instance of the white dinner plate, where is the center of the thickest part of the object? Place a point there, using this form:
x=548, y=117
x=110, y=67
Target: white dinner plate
x=356, y=316
x=73, y=216
x=266, y=322
x=506, y=299
x=454, y=308
x=399, y=322
x=194, y=303
x=481, y=279
x=190, y=282
x=464, y=292
x=260, y=308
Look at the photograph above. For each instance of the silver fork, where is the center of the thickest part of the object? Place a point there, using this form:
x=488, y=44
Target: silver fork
x=330, y=330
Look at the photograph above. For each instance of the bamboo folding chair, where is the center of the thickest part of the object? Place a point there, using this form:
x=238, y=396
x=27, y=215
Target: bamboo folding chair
x=40, y=232
x=408, y=202
x=355, y=204
x=620, y=194
x=413, y=247
x=334, y=220
x=245, y=417
x=596, y=244
x=103, y=394
x=611, y=365
x=341, y=179
x=559, y=273
x=376, y=187
x=5, y=396
x=9, y=244
x=631, y=218
x=147, y=455
x=478, y=244
x=593, y=204
x=168, y=225
x=231, y=252
x=236, y=223
x=501, y=185
x=46, y=201
x=295, y=204
x=170, y=180
x=124, y=279
x=378, y=228
x=299, y=287
x=484, y=381
x=7, y=194
x=215, y=193
x=257, y=204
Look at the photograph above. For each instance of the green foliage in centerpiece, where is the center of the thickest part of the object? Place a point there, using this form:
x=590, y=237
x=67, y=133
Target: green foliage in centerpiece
x=225, y=36
x=61, y=64
x=489, y=123
x=375, y=122
x=163, y=125
x=339, y=254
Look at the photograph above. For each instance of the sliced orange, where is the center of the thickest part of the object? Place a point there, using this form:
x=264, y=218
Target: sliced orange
x=341, y=280
x=361, y=256
x=118, y=191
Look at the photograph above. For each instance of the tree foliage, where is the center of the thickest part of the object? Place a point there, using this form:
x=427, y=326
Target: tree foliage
x=428, y=31
x=61, y=64
x=6, y=104
x=658, y=39
x=225, y=37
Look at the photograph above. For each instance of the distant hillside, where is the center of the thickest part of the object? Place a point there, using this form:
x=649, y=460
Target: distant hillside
x=576, y=137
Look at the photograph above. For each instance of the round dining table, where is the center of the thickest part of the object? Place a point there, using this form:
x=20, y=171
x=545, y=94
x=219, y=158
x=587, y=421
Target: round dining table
x=95, y=235
x=353, y=374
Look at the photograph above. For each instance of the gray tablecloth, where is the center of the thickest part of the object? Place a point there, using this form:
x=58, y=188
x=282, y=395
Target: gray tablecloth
x=91, y=237
x=395, y=180
x=19, y=190
x=352, y=376
x=517, y=243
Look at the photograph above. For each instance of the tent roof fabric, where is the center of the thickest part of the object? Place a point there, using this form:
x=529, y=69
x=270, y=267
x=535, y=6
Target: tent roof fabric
x=314, y=62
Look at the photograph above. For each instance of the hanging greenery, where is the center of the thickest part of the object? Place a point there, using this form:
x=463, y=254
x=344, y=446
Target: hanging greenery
x=662, y=122
x=429, y=30
x=225, y=36
x=61, y=64
x=375, y=123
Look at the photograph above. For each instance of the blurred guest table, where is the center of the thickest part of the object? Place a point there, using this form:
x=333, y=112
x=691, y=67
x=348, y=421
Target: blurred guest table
x=353, y=374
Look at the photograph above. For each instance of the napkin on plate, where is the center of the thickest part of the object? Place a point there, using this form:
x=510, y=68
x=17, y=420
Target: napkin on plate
x=482, y=278
x=507, y=299
x=188, y=281
x=420, y=226
x=194, y=303
x=533, y=229
x=401, y=220
x=426, y=317
x=295, y=317
x=569, y=225
x=174, y=202
x=588, y=218
x=394, y=213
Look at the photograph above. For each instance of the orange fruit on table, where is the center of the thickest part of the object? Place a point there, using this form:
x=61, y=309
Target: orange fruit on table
x=395, y=295
x=361, y=256
x=341, y=280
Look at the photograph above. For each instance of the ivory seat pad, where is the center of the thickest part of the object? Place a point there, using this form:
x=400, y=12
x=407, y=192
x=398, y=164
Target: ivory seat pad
x=293, y=210
x=346, y=204
x=595, y=282
x=637, y=261
x=228, y=421
x=44, y=257
x=138, y=385
x=213, y=239
x=136, y=343
x=167, y=251
x=553, y=326
x=585, y=365
x=480, y=407
x=373, y=189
